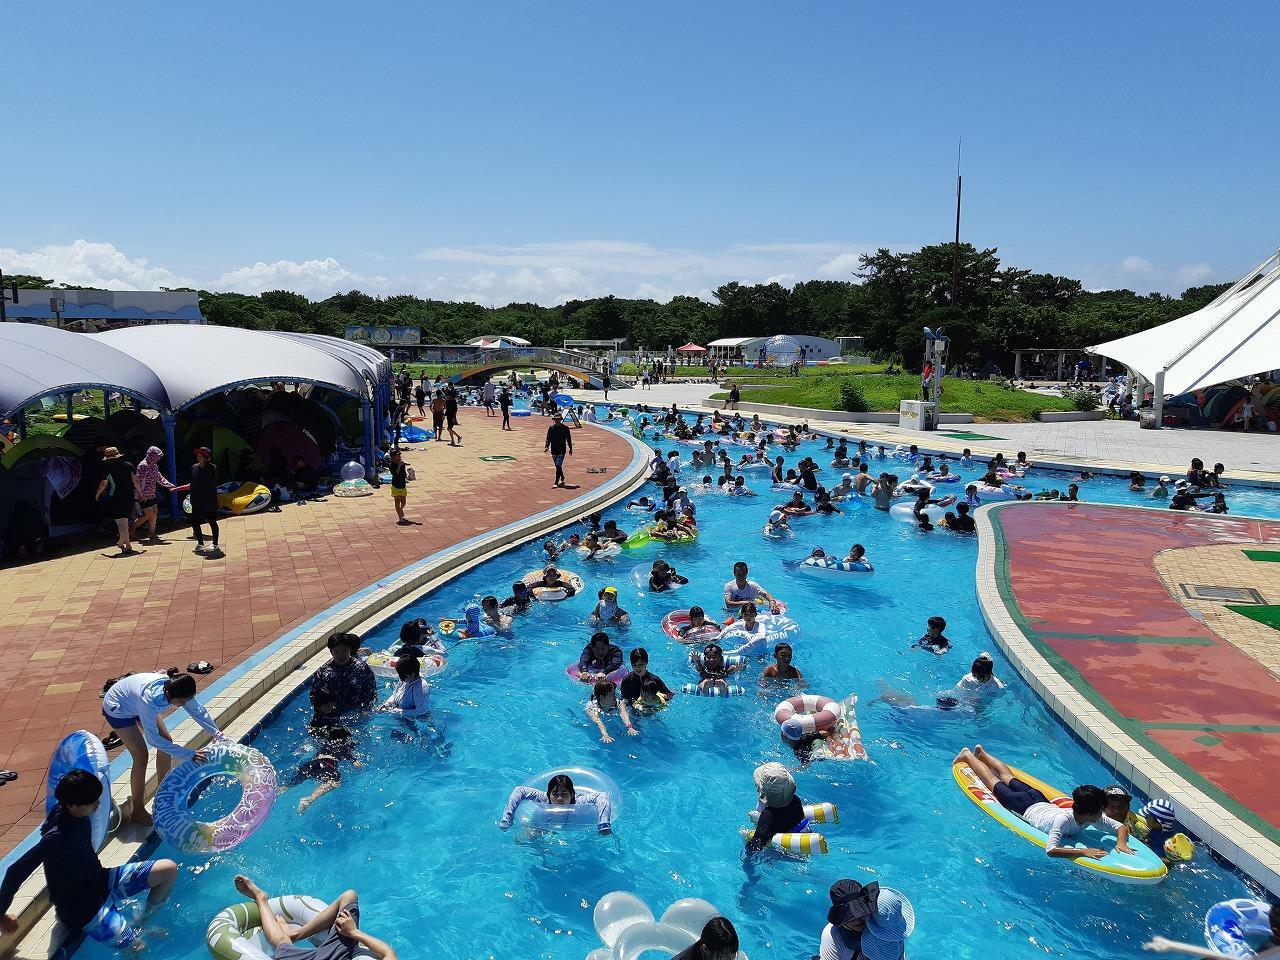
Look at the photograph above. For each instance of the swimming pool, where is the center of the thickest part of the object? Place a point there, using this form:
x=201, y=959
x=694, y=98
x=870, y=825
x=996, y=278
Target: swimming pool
x=413, y=830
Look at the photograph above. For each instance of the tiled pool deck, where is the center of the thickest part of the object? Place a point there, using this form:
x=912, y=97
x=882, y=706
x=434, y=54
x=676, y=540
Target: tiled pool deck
x=1074, y=595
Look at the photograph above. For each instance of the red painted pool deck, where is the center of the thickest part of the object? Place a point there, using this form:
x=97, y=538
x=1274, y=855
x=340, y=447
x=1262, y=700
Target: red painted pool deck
x=70, y=621
x=1081, y=583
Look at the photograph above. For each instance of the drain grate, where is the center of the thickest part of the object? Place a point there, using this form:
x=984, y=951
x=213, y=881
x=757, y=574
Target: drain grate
x=1200, y=591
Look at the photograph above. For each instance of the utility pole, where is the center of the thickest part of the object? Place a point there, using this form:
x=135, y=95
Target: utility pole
x=955, y=251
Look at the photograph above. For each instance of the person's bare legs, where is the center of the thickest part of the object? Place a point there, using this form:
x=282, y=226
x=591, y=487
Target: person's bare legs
x=132, y=737
x=995, y=764
x=163, y=875
x=276, y=933
x=163, y=760
x=122, y=533
x=977, y=759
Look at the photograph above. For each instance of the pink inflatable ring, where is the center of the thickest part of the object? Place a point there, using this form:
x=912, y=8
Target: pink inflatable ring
x=805, y=715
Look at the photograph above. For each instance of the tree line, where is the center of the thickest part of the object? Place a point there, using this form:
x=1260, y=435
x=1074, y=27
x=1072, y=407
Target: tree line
x=995, y=309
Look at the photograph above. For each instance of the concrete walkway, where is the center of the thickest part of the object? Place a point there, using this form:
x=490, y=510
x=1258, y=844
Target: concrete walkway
x=1077, y=600
x=69, y=622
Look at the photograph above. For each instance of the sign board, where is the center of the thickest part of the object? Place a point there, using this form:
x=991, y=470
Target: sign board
x=384, y=336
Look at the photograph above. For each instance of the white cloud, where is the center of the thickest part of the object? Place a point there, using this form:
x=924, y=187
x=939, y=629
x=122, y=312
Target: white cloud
x=547, y=273
x=314, y=277
x=1136, y=265
x=1194, y=273
x=85, y=264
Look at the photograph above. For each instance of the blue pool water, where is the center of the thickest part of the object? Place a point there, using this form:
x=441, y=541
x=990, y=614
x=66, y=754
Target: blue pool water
x=413, y=829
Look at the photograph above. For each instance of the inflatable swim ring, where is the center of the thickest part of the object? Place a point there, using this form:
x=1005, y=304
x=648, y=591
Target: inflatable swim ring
x=804, y=715
x=771, y=629
x=730, y=660
x=639, y=577
x=944, y=478
x=353, y=488
x=472, y=626
x=844, y=740
x=803, y=841
x=235, y=933
x=607, y=549
x=81, y=750
x=257, y=778
x=989, y=494
x=552, y=594
x=763, y=606
x=383, y=664
x=238, y=498
x=676, y=619
x=829, y=568
x=627, y=926
x=1229, y=926
x=695, y=690
x=935, y=511
x=1141, y=867
x=570, y=816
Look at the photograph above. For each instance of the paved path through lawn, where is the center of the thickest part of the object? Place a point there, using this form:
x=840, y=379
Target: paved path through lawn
x=69, y=622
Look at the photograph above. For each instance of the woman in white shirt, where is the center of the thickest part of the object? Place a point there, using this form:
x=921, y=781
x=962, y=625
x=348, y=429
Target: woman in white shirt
x=132, y=708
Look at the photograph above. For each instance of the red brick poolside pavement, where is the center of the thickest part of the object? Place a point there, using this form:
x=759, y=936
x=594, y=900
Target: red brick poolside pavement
x=1082, y=582
x=69, y=622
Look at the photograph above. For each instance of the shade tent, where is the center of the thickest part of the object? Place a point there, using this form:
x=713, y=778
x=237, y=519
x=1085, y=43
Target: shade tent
x=691, y=348
x=1236, y=335
x=38, y=361
x=195, y=361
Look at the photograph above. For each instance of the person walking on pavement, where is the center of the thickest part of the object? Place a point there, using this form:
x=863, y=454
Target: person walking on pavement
x=437, y=415
x=490, y=395
x=451, y=414
x=504, y=401
x=560, y=444
x=116, y=493
x=204, y=497
x=606, y=382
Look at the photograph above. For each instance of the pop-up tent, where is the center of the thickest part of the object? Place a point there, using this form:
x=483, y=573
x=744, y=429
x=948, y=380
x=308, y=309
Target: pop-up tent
x=1236, y=335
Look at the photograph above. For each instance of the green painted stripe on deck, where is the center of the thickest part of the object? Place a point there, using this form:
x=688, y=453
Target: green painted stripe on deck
x=1120, y=638
x=1215, y=727
x=1263, y=556
x=1267, y=615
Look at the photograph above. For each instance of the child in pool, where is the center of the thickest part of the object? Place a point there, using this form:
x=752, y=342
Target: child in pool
x=604, y=700
x=493, y=614
x=713, y=672
x=933, y=640
x=857, y=557
x=561, y=792
x=411, y=696
x=663, y=577
x=335, y=747
x=980, y=682
x=607, y=610
x=782, y=669
x=698, y=623
x=643, y=690
x=781, y=810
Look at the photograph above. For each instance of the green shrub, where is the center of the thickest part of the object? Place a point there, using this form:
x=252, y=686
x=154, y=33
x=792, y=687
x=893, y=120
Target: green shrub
x=851, y=398
x=1083, y=400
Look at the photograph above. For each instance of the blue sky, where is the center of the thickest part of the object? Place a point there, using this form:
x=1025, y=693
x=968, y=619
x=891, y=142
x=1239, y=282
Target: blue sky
x=541, y=151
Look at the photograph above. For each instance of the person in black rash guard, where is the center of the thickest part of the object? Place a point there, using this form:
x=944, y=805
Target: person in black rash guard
x=86, y=896
x=640, y=688
x=781, y=810
x=519, y=600
x=204, y=497
x=413, y=635
x=963, y=523
x=610, y=531
x=663, y=577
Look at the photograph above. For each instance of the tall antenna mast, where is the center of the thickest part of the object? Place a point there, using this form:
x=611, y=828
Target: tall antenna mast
x=955, y=253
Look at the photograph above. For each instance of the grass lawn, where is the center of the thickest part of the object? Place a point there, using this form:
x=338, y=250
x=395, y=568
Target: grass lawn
x=985, y=400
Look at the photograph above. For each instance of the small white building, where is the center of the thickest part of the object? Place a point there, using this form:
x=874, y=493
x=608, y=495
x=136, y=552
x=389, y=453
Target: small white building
x=756, y=349
x=501, y=342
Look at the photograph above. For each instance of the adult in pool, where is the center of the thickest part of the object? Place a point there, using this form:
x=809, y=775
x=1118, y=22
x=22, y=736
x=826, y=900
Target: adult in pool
x=560, y=792
x=599, y=658
x=664, y=577
x=643, y=690
x=1087, y=806
x=866, y=923
x=980, y=682
x=346, y=679
x=741, y=592
x=341, y=918
x=132, y=707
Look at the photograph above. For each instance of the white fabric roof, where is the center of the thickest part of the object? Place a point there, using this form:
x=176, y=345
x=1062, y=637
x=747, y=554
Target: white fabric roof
x=372, y=363
x=498, y=341
x=39, y=361
x=734, y=341
x=1235, y=336
x=194, y=360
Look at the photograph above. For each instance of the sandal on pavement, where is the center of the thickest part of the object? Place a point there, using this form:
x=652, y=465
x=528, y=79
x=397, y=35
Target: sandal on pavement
x=7, y=776
x=113, y=741
x=200, y=666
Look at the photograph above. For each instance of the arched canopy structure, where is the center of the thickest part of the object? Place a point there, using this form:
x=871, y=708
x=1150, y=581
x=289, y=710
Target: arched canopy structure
x=195, y=361
x=37, y=361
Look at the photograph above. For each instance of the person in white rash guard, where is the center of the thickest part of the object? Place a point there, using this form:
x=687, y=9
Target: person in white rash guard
x=560, y=791
x=132, y=707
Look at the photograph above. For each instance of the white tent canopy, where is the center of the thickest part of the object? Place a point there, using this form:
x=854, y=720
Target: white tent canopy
x=193, y=361
x=1236, y=335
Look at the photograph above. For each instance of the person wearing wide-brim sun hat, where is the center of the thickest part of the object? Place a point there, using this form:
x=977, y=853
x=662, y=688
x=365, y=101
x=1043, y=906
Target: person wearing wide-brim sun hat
x=866, y=922
x=116, y=492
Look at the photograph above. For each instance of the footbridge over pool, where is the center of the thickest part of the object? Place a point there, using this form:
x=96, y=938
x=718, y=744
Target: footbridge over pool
x=565, y=362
